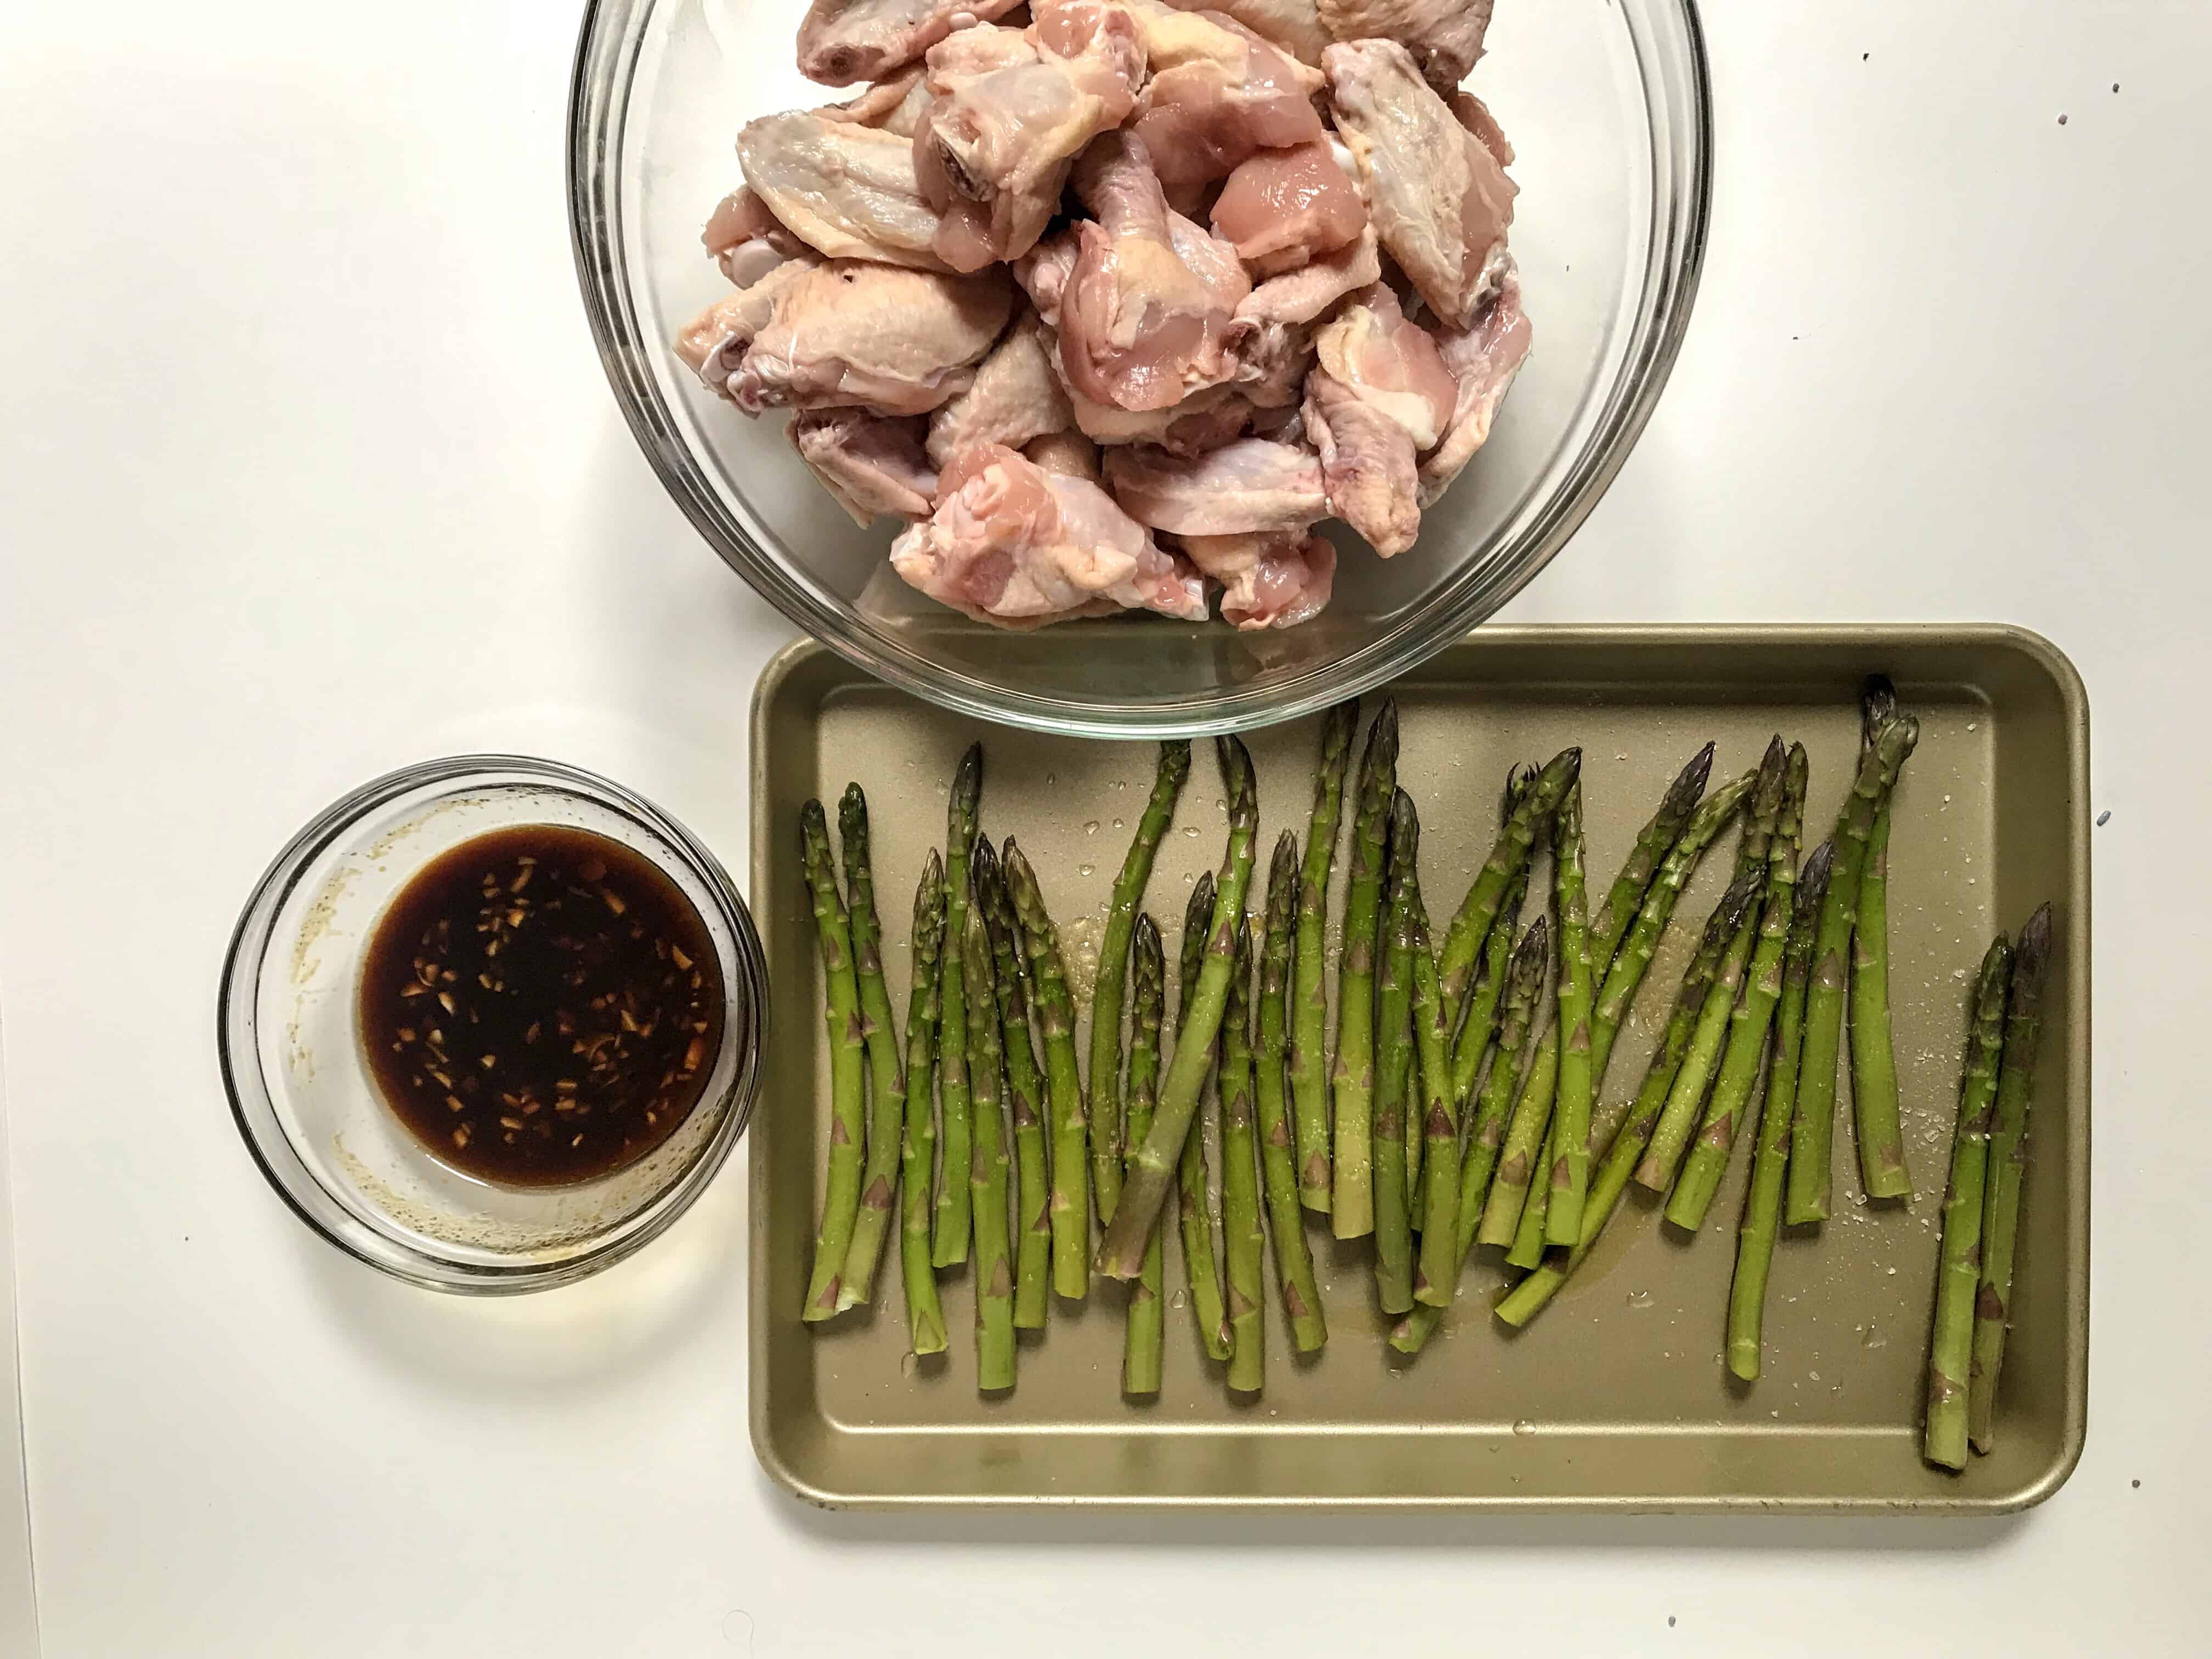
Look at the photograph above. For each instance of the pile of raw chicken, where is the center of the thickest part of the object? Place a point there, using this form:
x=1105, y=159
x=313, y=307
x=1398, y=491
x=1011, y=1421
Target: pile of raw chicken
x=1109, y=298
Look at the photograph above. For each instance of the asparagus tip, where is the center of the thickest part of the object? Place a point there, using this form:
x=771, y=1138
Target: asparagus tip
x=1813, y=883
x=1146, y=933
x=2032, y=954
x=1689, y=786
x=1534, y=947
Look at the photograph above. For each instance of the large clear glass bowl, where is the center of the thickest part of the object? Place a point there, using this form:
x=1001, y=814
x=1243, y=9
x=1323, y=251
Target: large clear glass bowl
x=1607, y=104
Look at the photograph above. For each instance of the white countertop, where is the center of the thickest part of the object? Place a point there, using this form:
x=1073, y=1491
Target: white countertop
x=295, y=390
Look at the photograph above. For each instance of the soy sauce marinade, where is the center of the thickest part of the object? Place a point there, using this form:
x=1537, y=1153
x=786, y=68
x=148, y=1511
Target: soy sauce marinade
x=541, y=1005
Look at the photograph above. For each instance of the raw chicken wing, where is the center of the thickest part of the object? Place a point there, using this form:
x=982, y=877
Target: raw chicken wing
x=1304, y=294
x=1276, y=579
x=848, y=192
x=1205, y=420
x=1218, y=93
x=1444, y=37
x=1017, y=397
x=1010, y=542
x=1283, y=207
x=872, y=465
x=1250, y=485
x=714, y=342
x=1483, y=359
x=1439, y=199
x=841, y=41
x=873, y=337
x=895, y=105
x=1380, y=395
x=745, y=240
x=1293, y=25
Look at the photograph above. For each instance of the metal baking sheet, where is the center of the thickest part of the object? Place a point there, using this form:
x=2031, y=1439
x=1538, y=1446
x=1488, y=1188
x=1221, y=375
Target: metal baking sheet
x=1615, y=1398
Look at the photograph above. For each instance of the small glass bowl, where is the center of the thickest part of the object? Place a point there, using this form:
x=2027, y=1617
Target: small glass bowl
x=289, y=1043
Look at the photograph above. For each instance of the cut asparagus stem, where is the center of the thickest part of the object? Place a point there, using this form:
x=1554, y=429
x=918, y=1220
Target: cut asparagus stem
x=1194, y=1215
x=1393, y=1058
x=1762, y=1204
x=1070, y=1210
x=924, y=1314
x=1475, y=1030
x=1436, y=1268
x=986, y=1169
x=1121, y=1255
x=841, y=1200
x=1143, y=1326
x=949, y=1239
x=1351, y=1198
x=1875, y=1105
x=1525, y=1134
x=1951, y=1348
x=1670, y=1138
x=1811, y=1134
x=1025, y=1088
x=1531, y=1293
x=1308, y=1038
x=1107, y=1148
x=1754, y=1018
x=1243, y=1246
x=1569, y=1171
x=1294, y=1270
x=2008, y=1162
x=1471, y=925
x=887, y=1078
x=1524, y=983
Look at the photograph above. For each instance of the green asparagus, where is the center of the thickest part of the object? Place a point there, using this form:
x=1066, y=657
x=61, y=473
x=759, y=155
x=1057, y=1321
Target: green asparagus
x=1471, y=925
x=1570, y=1173
x=986, y=1169
x=1472, y=1039
x=1436, y=1268
x=924, y=1314
x=1070, y=1211
x=841, y=1200
x=1308, y=1038
x=1243, y=1246
x=1143, y=1324
x=1025, y=1088
x=949, y=1240
x=1285, y=1216
x=1195, y=1219
x=1394, y=1063
x=1351, y=1199
x=887, y=1078
x=1874, y=1060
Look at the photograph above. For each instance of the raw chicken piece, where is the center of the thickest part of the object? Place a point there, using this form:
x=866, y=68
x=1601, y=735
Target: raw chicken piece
x=1017, y=397
x=1139, y=325
x=1367, y=461
x=895, y=105
x=1275, y=579
x=993, y=152
x=1439, y=199
x=1484, y=361
x=1067, y=455
x=1444, y=37
x=715, y=342
x=1283, y=207
x=745, y=240
x=1305, y=294
x=1043, y=272
x=1249, y=484
x=870, y=464
x=849, y=191
x=1205, y=420
x=878, y=338
x=1010, y=541
x=1218, y=94
x=1390, y=364
x=1293, y=25
x=1271, y=360
x=1474, y=115
x=841, y=41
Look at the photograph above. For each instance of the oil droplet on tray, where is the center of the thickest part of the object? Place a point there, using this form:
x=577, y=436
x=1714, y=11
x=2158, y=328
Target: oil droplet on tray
x=1523, y=1425
x=1087, y=869
x=1091, y=828
x=1639, y=1298
x=910, y=1363
x=1180, y=1298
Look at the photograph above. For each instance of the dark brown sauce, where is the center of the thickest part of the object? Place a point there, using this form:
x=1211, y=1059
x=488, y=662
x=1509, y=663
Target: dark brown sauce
x=541, y=1005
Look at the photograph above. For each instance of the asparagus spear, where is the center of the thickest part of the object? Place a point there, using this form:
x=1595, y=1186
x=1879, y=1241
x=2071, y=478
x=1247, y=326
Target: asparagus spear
x=1874, y=1060
x=1393, y=1053
x=1122, y=1252
x=1526, y=1249
x=1753, y=1017
x=1106, y=1140
x=1519, y=1154
x=840, y=1200
x=986, y=1169
x=1293, y=1262
x=1569, y=1172
x=948, y=1241
x=1463, y=938
x=1532, y=1292
x=2008, y=1160
x=1670, y=1138
x=1142, y=1329
x=886, y=1079
x=1436, y=1268
x=1951, y=1350
x=1811, y=1134
x=1308, y=1038
x=1351, y=1199
x=1024, y=1087
x=1655, y=842
x=1478, y=1026
x=1243, y=1247
x=1762, y=1203
x=925, y=1314
x=1070, y=1211
x=1524, y=981
x=1194, y=1213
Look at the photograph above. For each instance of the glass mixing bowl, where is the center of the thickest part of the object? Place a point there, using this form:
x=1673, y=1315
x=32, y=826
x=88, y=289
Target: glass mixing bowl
x=1607, y=104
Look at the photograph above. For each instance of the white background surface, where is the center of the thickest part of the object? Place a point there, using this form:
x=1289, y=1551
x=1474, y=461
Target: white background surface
x=307, y=470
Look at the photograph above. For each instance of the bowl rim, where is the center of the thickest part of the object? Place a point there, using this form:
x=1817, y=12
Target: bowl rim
x=1662, y=322
x=309, y=1198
